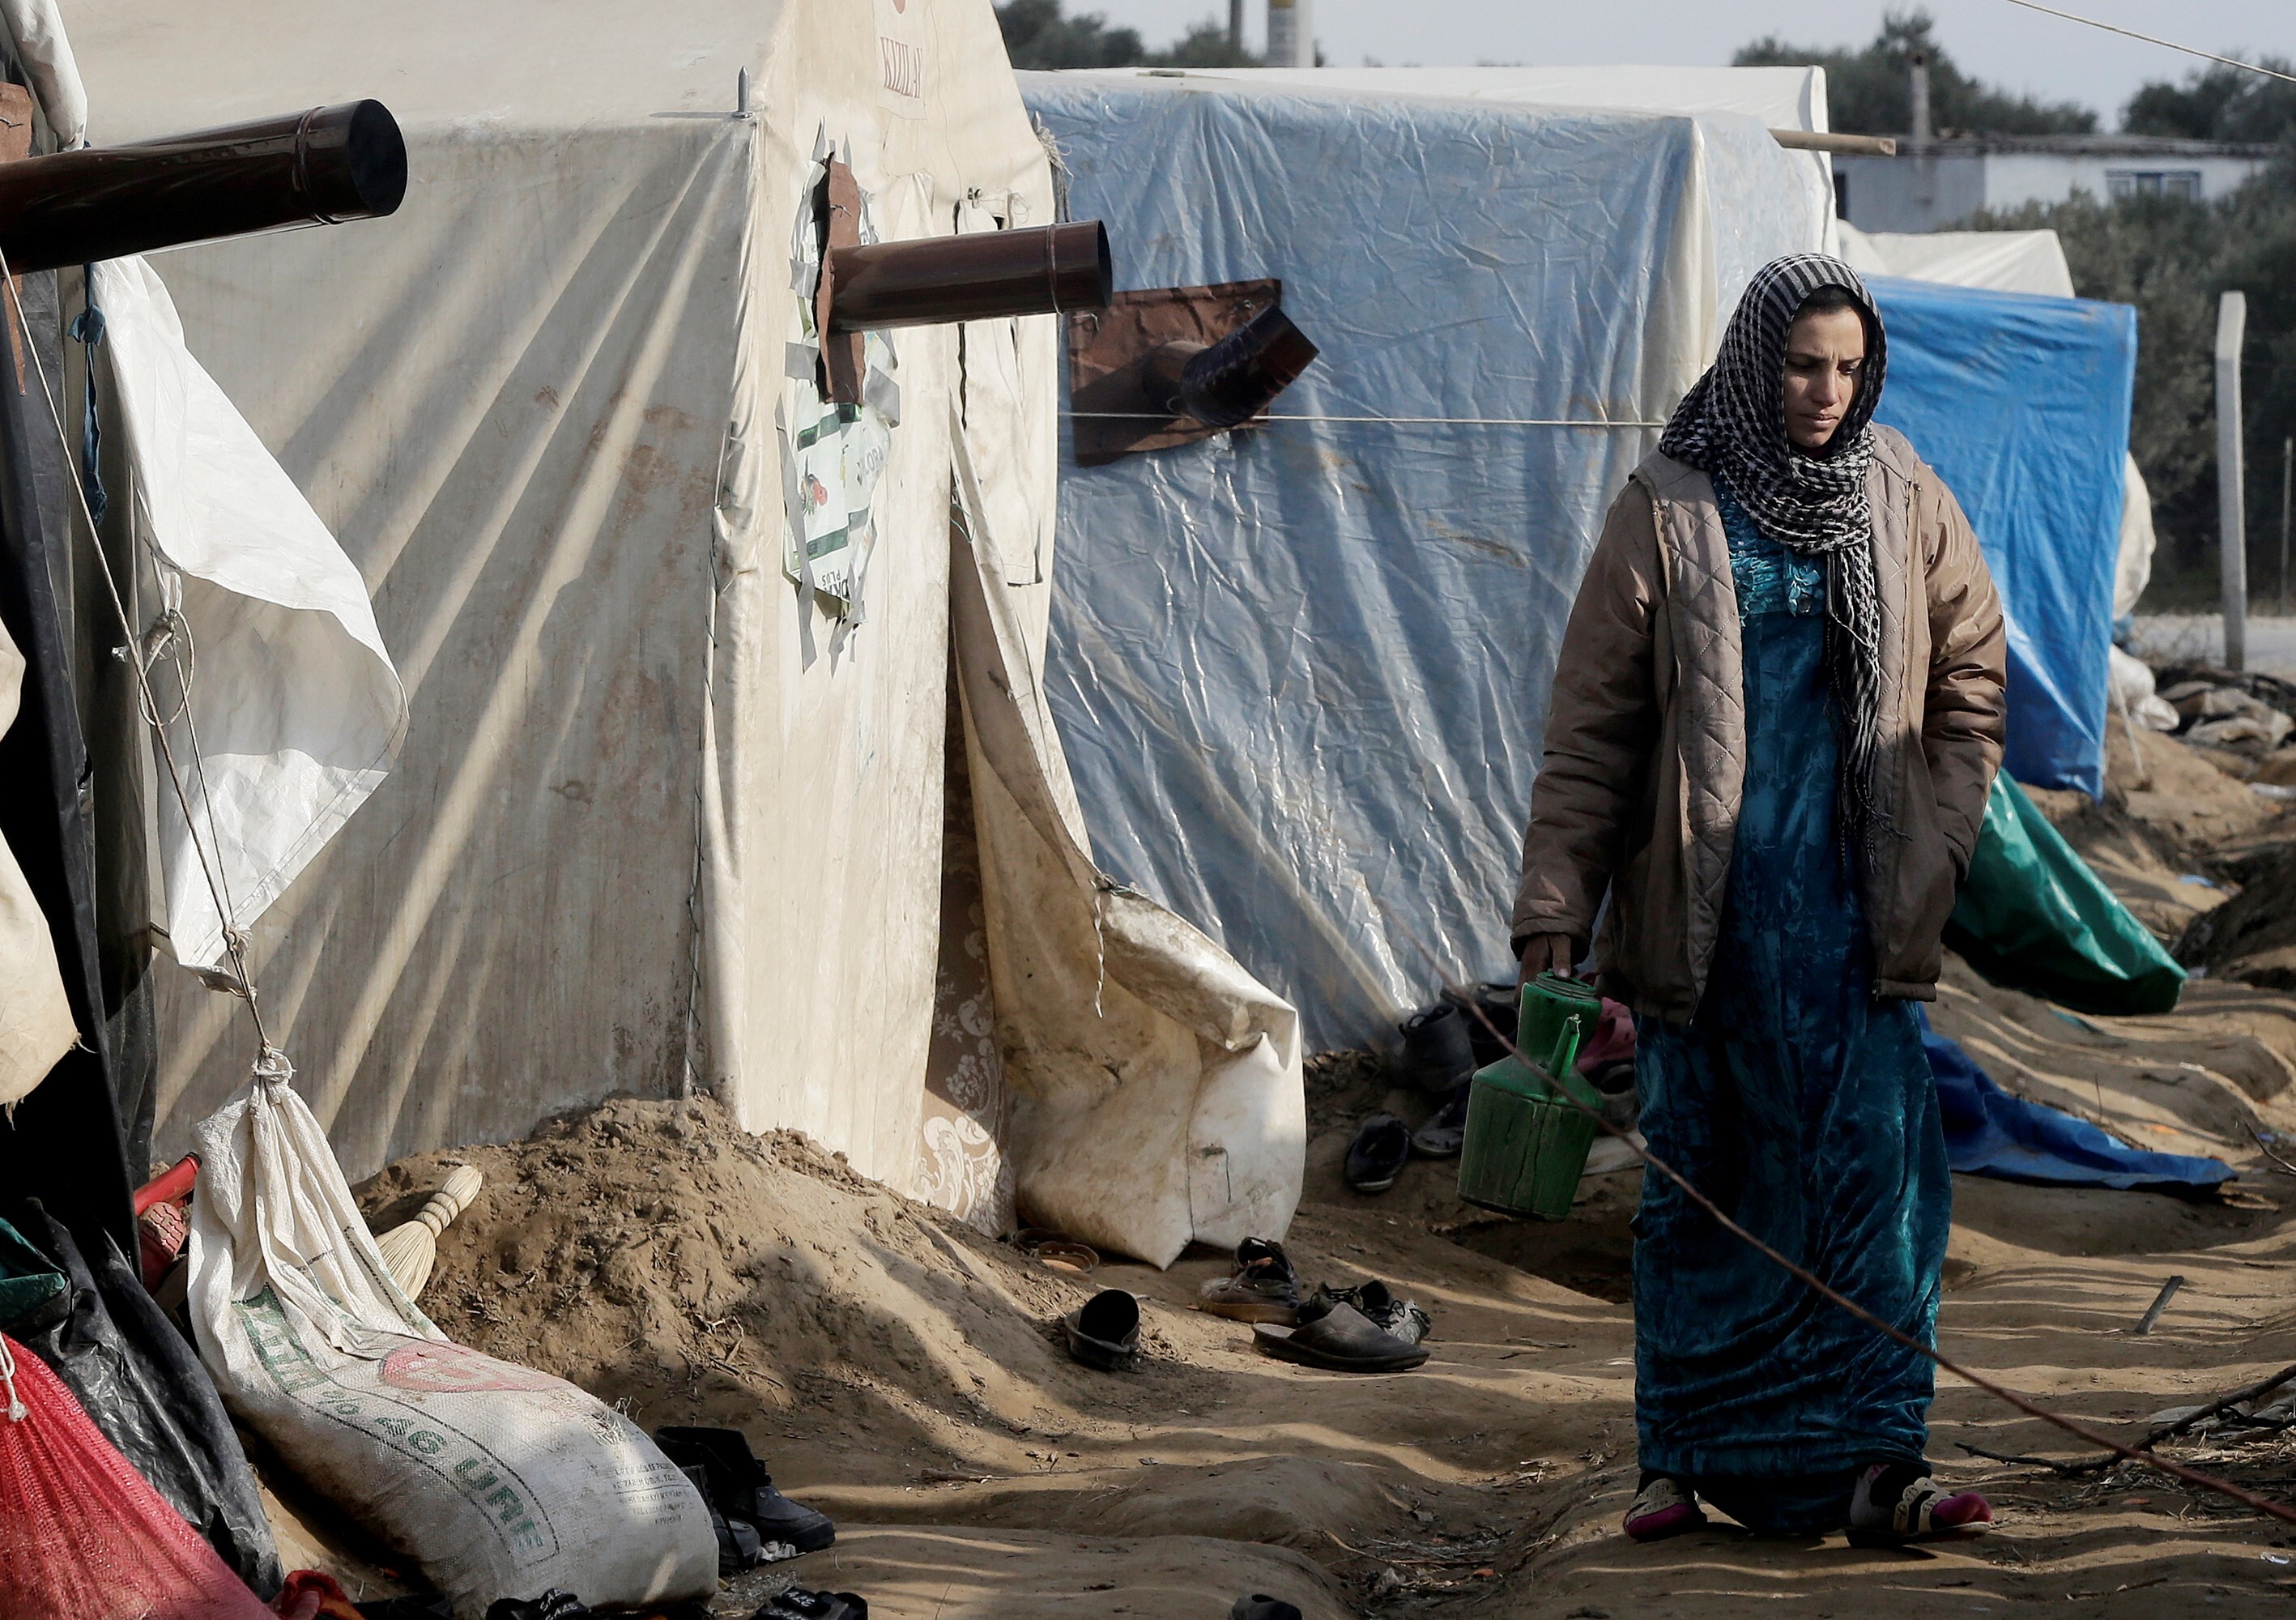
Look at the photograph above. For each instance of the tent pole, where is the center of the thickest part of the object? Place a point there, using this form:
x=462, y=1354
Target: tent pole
x=2231, y=322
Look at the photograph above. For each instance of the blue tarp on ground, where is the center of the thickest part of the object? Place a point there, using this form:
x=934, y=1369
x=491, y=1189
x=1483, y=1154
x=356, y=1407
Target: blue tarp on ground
x=1988, y=1133
x=2021, y=402
x=1300, y=673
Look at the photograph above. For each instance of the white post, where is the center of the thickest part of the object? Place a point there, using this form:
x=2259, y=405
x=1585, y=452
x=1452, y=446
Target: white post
x=2232, y=325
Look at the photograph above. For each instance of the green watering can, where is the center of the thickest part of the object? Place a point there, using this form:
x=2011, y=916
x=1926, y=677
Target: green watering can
x=1526, y=1145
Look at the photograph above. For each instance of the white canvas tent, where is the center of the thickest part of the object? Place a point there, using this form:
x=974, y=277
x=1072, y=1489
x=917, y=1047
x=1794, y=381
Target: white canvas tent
x=667, y=813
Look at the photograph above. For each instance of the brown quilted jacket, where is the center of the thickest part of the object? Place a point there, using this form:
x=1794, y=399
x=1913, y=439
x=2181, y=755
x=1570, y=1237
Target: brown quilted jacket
x=1643, y=772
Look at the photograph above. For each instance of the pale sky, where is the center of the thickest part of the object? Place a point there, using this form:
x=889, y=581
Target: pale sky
x=2000, y=43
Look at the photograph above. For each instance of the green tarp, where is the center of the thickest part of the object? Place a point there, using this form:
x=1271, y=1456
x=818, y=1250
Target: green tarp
x=2032, y=916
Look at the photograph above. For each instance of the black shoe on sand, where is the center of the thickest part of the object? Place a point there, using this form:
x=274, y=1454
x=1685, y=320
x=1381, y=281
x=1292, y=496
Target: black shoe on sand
x=1341, y=1340
x=1259, y=1606
x=740, y=1488
x=1382, y=1149
x=1437, y=1053
x=1105, y=1332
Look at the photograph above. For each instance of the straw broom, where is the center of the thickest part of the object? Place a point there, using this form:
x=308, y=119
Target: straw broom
x=411, y=1250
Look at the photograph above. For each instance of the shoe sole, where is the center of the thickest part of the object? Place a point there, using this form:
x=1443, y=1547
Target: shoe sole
x=1286, y=1350
x=1375, y=1186
x=1282, y=1315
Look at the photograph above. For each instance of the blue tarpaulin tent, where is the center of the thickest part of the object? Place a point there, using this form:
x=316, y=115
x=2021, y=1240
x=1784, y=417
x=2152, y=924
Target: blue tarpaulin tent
x=2021, y=402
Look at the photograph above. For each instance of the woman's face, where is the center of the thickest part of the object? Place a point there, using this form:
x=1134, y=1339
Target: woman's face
x=1824, y=354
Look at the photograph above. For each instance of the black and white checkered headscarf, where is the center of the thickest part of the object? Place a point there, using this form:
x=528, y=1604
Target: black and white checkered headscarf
x=1731, y=425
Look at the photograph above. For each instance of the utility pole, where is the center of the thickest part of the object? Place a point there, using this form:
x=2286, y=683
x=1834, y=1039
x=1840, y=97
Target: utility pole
x=1918, y=138
x=2232, y=326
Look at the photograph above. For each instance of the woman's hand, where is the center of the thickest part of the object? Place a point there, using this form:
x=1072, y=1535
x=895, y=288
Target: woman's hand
x=1547, y=953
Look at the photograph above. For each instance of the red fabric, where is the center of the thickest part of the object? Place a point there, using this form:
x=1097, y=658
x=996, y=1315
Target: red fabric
x=1613, y=1040
x=82, y=1536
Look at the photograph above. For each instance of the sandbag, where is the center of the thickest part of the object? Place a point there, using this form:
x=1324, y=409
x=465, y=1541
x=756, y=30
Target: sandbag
x=499, y=1480
x=2032, y=916
x=145, y=1388
x=82, y=1536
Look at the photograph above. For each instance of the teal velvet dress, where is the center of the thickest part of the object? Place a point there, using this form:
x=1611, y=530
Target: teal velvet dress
x=1804, y=1107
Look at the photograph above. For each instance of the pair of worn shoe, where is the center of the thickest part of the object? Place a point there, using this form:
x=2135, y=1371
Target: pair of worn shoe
x=1364, y=1329
x=1357, y=1330
x=755, y=1523
x=1893, y=1505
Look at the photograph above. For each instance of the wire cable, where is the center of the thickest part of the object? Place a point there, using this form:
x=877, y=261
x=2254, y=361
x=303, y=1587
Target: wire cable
x=233, y=941
x=2168, y=44
x=1897, y=1336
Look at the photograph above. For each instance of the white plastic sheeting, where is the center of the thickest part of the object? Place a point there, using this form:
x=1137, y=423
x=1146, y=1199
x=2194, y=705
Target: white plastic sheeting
x=36, y=30
x=2007, y=261
x=661, y=817
x=292, y=709
x=35, y=1018
x=1301, y=671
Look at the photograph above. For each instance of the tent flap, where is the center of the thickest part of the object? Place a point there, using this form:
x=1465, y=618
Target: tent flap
x=289, y=706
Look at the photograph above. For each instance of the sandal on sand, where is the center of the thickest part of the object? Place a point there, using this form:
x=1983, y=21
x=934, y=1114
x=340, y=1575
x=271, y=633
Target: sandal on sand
x=1106, y=1332
x=1342, y=1340
x=1259, y=1606
x=1262, y=1289
x=1898, y=1502
x=1662, y=1508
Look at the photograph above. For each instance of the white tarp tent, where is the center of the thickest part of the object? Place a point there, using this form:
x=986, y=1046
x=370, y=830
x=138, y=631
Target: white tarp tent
x=2007, y=261
x=668, y=811
x=1301, y=671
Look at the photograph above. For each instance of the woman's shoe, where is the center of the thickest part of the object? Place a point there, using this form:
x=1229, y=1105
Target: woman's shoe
x=1898, y=1502
x=1662, y=1508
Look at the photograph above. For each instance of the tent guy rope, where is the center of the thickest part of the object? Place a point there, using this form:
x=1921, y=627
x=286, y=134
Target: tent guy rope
x=2168, y=44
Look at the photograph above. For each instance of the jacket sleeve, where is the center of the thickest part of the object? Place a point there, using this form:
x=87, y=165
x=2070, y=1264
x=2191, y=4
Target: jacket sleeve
x=1602, y=724
x=1964, y=716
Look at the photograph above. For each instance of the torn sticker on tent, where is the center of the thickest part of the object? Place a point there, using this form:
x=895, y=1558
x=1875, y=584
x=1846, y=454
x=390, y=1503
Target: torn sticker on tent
x=283, y=710
x=836, y=454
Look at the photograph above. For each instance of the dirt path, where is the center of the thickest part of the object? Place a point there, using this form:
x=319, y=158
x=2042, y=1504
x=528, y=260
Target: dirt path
x=902, y=1371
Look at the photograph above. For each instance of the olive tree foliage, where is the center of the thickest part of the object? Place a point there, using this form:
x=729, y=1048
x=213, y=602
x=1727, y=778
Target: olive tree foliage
x=1868, y=90
x=1037, y=34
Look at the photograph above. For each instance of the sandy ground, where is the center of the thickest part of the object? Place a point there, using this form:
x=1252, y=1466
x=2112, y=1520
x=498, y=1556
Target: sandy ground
x=903, y=1373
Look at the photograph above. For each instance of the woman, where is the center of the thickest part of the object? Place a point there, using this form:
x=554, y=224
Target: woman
x=1776, y=717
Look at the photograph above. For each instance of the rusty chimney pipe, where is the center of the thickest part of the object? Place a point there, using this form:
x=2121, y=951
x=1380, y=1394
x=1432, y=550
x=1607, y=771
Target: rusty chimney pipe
x=316, y=167
x=983, y=276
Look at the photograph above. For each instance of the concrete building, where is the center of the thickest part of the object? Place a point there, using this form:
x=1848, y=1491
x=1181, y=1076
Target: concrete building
x=1943, y=182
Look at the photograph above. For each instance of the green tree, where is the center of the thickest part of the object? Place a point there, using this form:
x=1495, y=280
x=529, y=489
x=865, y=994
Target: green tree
x=2171, y=257
x=1038, y=35
x=2218, y=103
x=1868, y=91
